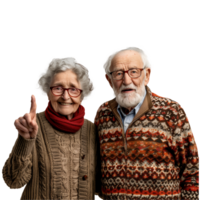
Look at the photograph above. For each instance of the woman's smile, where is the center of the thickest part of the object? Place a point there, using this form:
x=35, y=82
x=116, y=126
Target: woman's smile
x=65, y=104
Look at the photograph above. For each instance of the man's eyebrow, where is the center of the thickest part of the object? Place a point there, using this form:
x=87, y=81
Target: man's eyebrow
x=134, y=67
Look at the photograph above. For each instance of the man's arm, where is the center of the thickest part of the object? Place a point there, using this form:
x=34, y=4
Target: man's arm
x=187, y=157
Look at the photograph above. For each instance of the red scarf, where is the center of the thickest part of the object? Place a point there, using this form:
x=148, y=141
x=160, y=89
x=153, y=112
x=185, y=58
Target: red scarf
x=62, y=123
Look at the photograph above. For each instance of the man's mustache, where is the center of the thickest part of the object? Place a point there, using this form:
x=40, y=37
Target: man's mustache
x=128, y=87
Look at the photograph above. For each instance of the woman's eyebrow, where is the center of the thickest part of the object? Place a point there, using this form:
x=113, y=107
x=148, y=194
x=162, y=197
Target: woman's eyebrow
x=72, y=85
x=58, y=83
x=63, y=85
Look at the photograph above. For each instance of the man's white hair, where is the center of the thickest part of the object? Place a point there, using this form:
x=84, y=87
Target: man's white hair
x=144, y=53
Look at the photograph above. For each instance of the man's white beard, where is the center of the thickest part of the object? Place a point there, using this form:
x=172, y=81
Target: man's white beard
x=131, y=99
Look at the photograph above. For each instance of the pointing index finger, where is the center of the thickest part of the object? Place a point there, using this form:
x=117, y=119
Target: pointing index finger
x=33, y=107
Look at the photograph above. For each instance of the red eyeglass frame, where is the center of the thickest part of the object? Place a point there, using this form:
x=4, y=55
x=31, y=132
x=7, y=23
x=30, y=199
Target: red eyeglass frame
x=64, y=91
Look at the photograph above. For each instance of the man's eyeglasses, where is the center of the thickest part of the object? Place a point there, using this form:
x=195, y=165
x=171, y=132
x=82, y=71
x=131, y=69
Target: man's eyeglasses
x=59, y=90
x=133, y=73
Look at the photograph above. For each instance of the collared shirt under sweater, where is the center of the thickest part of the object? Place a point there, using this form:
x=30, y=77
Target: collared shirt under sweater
x=127, y=118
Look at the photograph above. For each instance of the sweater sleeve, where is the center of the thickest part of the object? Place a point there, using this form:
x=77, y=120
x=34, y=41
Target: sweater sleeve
x=17, y=170
x=187, y=157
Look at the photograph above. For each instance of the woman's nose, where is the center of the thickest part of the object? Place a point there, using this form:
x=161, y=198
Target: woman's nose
x=65, y=95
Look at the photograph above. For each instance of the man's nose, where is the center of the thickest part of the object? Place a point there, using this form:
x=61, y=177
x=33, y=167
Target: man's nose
x=127, y=79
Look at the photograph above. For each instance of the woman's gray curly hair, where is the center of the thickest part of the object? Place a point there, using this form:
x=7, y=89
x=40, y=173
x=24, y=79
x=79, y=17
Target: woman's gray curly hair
x=61, y=65
x=144, y=53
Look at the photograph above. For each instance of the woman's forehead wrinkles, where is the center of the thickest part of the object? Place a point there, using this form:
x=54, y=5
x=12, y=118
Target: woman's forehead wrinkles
x=68, y=84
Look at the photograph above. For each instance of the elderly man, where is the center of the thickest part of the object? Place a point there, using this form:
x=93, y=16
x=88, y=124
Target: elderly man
x=147, y=148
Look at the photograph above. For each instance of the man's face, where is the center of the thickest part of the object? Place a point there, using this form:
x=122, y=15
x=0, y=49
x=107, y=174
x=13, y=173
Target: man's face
x=129, y=92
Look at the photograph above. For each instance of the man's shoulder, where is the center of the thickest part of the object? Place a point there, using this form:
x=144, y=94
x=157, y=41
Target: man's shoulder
x=160, y=101
x=101, y=107
x=164, y=101
x=104, y=105
x=169, y=111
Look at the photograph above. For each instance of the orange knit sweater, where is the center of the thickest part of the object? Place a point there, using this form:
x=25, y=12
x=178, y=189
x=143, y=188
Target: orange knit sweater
x=156, y=158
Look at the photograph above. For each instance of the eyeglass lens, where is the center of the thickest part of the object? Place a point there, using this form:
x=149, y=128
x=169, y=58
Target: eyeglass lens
x=59, y=91
x=133, y=73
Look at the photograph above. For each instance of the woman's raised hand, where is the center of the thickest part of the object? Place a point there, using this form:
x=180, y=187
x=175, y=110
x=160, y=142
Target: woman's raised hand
x=26, y=125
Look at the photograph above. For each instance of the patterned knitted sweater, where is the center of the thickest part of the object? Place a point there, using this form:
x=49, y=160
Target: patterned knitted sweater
x=156, y=158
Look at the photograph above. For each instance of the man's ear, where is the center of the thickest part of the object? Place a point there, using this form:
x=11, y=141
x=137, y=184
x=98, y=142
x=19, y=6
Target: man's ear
x=148, y=72
x=107, y=79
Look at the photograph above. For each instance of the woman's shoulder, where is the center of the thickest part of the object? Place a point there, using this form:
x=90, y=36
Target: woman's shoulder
x=40, y=116
x=40, y=112
x=40, y=119
x=88, y=121
x=89, y=125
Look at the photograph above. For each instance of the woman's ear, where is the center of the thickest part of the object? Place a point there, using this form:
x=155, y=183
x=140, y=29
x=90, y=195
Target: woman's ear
x=48, y=97
x=107, y=79
x=46, y=100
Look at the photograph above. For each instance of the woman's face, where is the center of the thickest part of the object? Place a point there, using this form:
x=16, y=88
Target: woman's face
x=64, y=104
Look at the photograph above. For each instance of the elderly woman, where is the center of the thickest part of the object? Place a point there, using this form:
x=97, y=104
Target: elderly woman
x=55, y=150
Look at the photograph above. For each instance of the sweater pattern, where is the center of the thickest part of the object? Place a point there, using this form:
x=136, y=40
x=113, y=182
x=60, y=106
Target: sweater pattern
x=155, y=159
